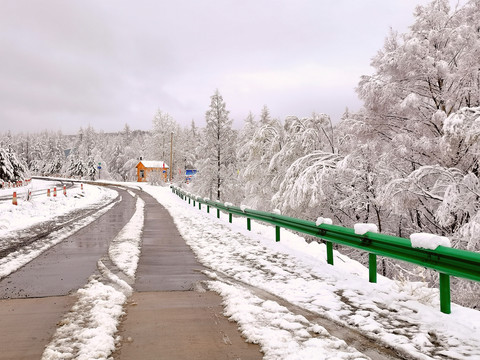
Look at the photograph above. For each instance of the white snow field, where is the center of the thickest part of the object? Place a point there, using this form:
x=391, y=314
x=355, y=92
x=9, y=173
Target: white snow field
x=41, y=207
x=262, y=284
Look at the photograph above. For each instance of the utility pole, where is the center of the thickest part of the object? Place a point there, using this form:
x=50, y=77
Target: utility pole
x=171, y=155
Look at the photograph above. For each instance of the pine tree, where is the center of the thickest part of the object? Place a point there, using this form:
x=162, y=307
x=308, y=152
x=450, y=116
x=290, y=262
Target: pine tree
x=11, y=169
x=76, y=168
x=90, y=168
x=217, y=159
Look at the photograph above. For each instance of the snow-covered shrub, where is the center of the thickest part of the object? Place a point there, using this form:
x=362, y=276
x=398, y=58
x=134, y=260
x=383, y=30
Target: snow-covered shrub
x=11, y=169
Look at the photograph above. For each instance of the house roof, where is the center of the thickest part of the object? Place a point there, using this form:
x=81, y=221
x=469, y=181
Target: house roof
x=153, y=164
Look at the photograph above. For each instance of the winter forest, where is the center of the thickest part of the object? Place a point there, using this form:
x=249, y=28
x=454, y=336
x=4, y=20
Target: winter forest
x=408, y=161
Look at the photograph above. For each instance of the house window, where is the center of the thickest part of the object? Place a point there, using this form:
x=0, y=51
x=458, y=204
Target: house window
x=142, y=173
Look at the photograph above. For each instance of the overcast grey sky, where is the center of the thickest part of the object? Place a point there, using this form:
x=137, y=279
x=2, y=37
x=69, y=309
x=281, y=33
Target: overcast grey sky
x=67, y=64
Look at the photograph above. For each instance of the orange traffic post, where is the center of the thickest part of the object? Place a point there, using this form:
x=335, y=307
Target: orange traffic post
x=14, y=200
x=54, y=192
x=64, y=190
x=48, y=192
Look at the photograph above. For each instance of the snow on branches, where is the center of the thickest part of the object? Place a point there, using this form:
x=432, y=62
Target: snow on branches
x=11, y=169
x=306, y=180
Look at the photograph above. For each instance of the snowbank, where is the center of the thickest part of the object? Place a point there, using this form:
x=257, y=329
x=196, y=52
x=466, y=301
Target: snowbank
x=124, y=250
x=429, y=241
x=361, y=228
x=322, y=220
x=42, y=208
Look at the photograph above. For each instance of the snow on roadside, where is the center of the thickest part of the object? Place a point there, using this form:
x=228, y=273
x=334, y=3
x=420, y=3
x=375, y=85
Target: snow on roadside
x=40, y=210
x=124, y=250
x=288, y=336
x=25, y=254
x=88, y=330
x=403, y=316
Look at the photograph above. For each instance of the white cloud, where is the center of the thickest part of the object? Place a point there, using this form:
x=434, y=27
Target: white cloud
x=113, y=62
x=300, y=76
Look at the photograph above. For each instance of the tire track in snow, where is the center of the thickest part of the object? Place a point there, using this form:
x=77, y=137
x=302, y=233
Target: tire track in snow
x=21, y=254
x=40, y=231
x=351, y=337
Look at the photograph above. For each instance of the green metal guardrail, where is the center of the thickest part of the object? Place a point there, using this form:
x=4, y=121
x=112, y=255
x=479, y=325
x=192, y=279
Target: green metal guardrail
x=447, y=261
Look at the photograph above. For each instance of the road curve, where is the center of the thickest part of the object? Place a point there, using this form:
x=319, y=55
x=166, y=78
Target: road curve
x=65, y=267
x=32, y=299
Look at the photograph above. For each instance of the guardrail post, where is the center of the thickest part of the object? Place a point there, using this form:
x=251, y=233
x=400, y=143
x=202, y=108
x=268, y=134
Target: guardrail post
x=249, y=224
x=208, y=209
x=218, y=213
x=230, y=218
x=199, y=205
x=194, y=204
x=445, y=293
x=277, y=233
x=189, y=200
x=372, y=268
x=329, y=252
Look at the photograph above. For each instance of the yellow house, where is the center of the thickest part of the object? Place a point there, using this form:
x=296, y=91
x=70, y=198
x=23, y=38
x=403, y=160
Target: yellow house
x=146, y=168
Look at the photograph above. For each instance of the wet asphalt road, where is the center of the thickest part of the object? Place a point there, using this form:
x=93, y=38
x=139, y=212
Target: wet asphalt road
x=66, y=267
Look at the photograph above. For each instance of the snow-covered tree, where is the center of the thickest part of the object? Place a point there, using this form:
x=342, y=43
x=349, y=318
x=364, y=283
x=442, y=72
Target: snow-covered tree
x=126, y=135
x=11, y=169
x=75, y=168
x=191, y=148
x=163, y=127
x=86, y=142
x=257, y=174
x=420, y=78
x=302, y=137
x=53, y=155
x=216, y=163
x=306, y=184
x=91, y=168
x=445, y=200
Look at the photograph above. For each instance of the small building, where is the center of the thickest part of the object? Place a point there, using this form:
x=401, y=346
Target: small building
x=146, y=169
